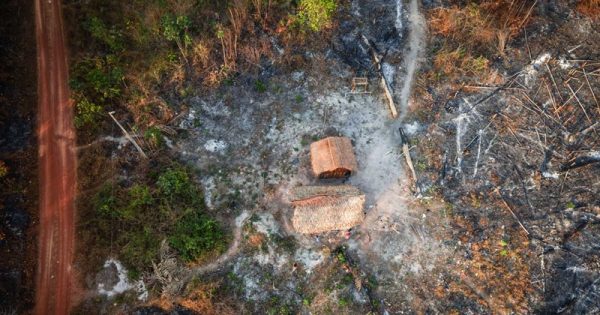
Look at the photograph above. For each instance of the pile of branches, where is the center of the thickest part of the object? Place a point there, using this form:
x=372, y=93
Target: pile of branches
x=526, y=156
x=549, y=139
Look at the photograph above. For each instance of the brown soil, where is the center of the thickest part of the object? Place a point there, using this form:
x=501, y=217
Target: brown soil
x=57, y=164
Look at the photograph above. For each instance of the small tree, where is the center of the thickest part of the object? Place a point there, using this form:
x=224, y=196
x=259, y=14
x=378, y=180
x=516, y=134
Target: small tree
x=175, y=29
x=316, y=14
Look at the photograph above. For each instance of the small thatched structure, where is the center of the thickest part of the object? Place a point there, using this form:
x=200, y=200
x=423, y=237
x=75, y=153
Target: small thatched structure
x=324, y=208
x=332, y=157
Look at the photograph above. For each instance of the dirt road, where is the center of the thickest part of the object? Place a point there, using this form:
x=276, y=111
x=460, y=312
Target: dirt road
x=57, y=162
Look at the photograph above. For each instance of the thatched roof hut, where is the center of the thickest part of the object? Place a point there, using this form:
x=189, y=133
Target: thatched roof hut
x=320, y=209
x=332, y=157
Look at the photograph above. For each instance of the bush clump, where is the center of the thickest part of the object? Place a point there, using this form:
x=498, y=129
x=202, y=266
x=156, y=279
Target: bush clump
x=140, y=216
x=96, y=83
x=315, y=14
x=196, y=234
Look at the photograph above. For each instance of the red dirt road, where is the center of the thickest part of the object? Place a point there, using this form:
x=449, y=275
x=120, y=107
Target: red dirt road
x=57, y=163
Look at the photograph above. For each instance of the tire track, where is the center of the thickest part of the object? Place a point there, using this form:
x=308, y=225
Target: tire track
x=57, y=161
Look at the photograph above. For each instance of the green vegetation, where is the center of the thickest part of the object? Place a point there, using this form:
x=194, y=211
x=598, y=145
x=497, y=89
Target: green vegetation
x=175, y=29
x=195, y=234
x=154, y=136
x=96, y=83
x=112, y=38
x=142, y=215
x=260, y=86
x=343, y=302
x=287, y=243
x=315, y=14
x=340, y=254
x=128, y=60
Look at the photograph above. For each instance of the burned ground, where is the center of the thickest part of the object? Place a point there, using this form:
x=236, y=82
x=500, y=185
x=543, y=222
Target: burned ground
x=517, y=162
x=504, y=142
x=18, y=157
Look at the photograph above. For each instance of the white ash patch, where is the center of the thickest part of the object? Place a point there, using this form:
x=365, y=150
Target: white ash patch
x=360, y=296
x=122, y=141
x=542, y=59
x=189, y=120
x=531, y=71
x=123, y=283
x=251, y=278
x=309, y=258
x=416, y=268
x=565, y=64
x=208, y=183
x=412, y=128
x=140, y=287
x=168, y=142
x=298, y=76
x=266, y=224
x=217, y=109
x=398, y=21
x=273, y=258
x=389, y=72
x=240, y=219
x=252, y=288
x=553, y=175
x=214, y=146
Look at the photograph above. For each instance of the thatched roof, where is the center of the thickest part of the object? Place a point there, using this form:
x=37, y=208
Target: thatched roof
x=324, y=208
x=332, y=157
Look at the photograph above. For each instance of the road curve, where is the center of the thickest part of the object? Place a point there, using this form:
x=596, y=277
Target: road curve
x=57, y=164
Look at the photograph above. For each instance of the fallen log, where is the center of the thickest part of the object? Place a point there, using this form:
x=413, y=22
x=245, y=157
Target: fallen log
x=581, y=161
x=128, y=136
x=409, y=162
x=386, y=88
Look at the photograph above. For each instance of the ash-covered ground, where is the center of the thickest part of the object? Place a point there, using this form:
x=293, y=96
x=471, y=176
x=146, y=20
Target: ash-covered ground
x=506, y=218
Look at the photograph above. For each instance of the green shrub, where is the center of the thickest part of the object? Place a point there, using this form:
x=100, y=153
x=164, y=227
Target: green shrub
x=260, y=86
x=141, y=249
x=139, y=217
x=175, y=29
x=287, y=243
x=343, y=302
x=98, y=79
x=105, y=201
x=176, y=187
x=112, y=38
x=139, y=199
x=154, y=136
x=315, y=14
x=195, y=235
x=86, y=113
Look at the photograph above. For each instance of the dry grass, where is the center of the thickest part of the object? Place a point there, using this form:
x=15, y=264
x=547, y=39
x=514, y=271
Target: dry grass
x=202, y=300
x=451, y=62
x=256, y=240
x=589, y=8
x=201, y=54
x=472, y=35
x=498, y=274
x=480, y=27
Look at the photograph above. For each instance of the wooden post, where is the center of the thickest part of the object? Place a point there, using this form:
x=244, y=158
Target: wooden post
x=384, y=84
x=128, y=136
x=406, y=153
